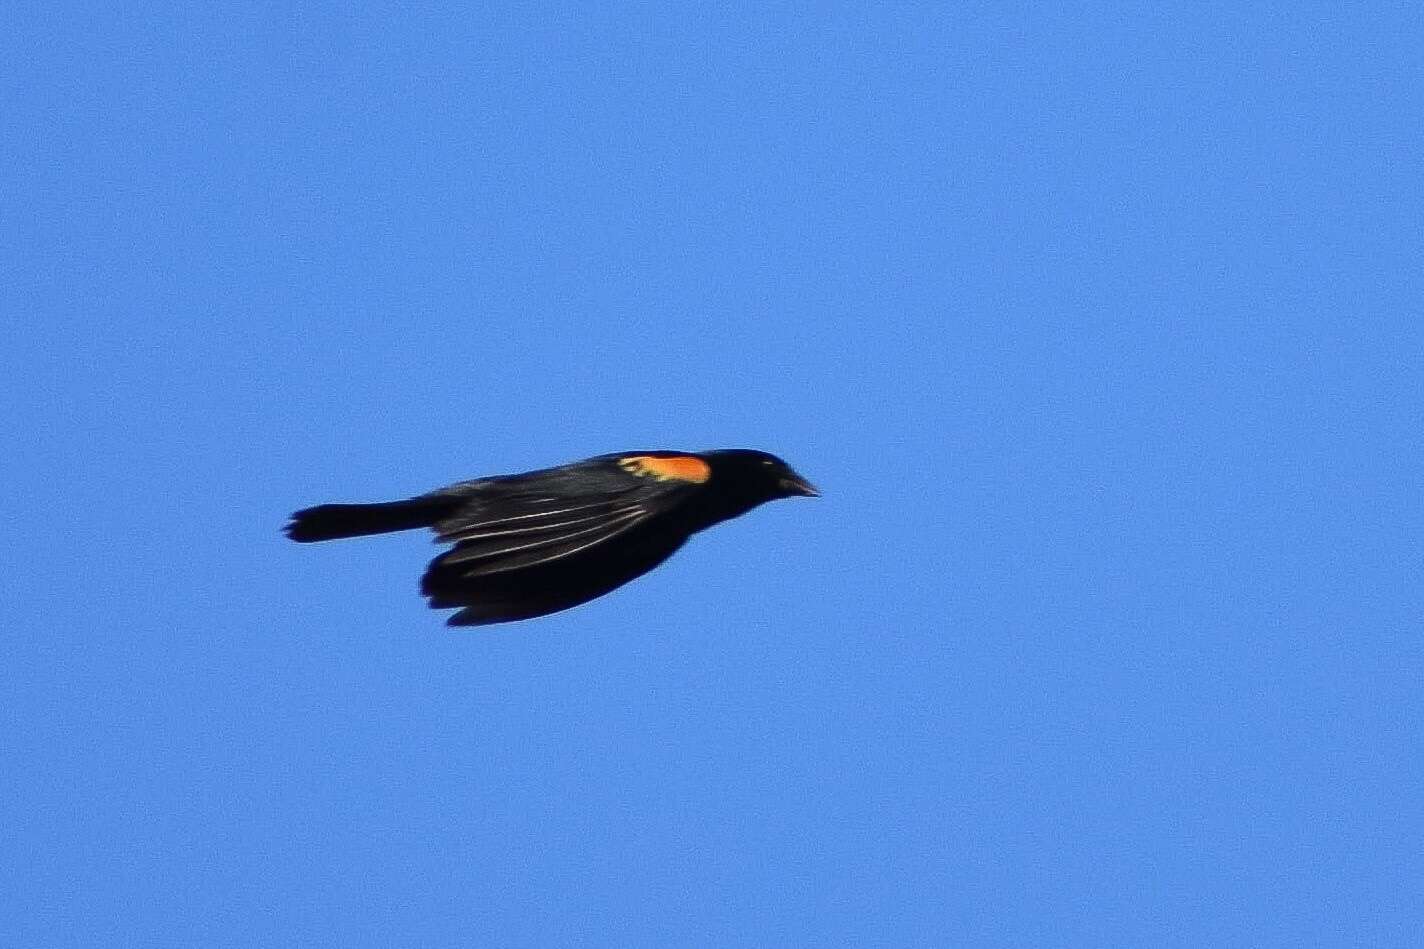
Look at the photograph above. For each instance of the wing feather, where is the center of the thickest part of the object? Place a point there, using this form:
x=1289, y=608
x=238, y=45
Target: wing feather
x=501, y=551
x=470, y=527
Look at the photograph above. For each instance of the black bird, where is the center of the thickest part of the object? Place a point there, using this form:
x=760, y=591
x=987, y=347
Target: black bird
x=535, y=543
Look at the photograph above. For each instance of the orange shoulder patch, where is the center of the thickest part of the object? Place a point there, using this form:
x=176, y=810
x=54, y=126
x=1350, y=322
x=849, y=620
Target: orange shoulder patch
x=676, y=468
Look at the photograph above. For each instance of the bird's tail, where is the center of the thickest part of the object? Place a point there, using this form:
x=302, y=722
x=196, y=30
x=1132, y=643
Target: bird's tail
x=333, y=521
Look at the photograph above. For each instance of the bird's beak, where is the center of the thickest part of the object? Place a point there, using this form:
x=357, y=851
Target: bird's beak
x=796, y=485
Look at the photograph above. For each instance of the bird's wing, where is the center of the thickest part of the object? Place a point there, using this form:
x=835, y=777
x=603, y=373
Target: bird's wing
x=527, y=520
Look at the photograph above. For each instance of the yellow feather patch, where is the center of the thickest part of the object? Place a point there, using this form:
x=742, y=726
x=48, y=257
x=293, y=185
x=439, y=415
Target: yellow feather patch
x=676, y=468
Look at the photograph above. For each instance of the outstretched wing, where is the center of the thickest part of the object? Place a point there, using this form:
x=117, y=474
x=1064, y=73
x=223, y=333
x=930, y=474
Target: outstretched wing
x=577, y=527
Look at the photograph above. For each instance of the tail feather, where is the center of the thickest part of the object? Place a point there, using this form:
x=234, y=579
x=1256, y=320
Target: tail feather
x=333, y=521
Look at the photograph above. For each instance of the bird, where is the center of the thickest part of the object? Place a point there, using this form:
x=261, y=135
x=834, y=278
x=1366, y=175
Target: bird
x=530, y=544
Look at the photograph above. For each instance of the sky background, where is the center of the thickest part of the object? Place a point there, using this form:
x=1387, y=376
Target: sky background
x=1098, y=326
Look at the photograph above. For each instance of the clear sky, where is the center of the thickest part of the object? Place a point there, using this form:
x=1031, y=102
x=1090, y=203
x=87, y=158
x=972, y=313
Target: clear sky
x=1098, y=326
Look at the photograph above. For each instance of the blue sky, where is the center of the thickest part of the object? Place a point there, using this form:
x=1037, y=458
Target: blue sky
x=1097, y=325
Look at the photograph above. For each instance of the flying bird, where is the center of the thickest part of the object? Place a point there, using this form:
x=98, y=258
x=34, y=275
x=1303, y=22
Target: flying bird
x=530, y=544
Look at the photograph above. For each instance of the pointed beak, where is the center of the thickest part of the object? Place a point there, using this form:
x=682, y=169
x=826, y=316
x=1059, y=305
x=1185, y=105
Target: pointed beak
x=794, y=484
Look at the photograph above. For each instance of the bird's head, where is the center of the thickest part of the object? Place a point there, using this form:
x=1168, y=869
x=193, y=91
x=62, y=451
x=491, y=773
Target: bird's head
x=756, y=476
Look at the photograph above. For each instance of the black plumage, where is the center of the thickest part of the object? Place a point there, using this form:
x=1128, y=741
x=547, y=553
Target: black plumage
x=529, y=544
